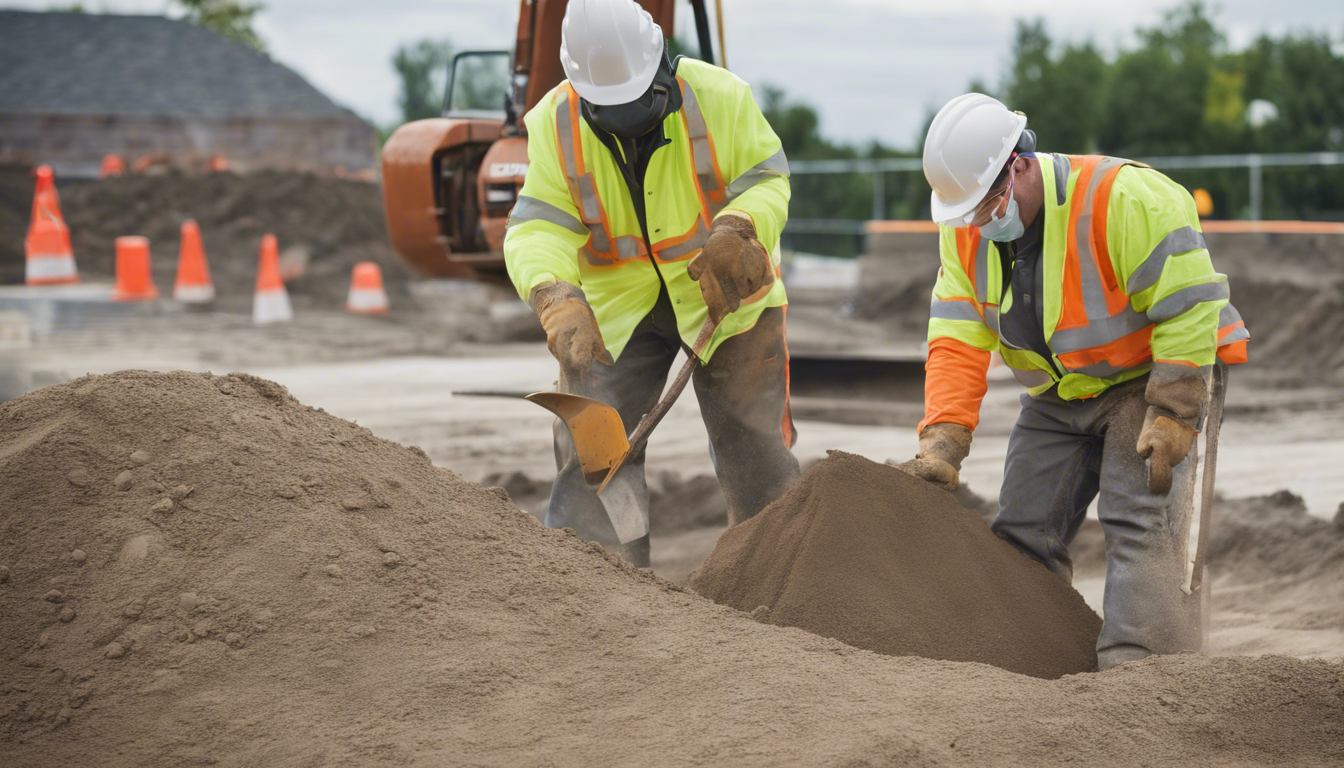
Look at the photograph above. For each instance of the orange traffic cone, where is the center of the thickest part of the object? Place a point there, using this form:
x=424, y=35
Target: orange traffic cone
x=270, y=304
x=112, y=165
x=366, y=296
x=50, y=259
x=134, y=281
x=193, y=284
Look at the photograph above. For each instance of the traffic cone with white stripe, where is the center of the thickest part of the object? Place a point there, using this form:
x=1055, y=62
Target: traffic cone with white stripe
x=135, y=281
x=193, y=284
x=49, y=258
x=270, y=304
x=366, y=296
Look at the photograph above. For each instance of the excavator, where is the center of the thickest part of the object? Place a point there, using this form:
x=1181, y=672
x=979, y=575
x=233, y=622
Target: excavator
x=449, y=182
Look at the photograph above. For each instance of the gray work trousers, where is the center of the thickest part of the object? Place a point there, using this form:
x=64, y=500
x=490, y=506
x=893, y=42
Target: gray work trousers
x=744, y=394
x=1060, y=454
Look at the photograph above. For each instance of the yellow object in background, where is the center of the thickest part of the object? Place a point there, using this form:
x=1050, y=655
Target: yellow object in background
x=1203, y=202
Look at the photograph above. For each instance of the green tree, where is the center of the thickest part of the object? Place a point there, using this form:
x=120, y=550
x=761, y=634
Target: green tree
x=1061, y=93
x=229, y=18
x=1159, y=91
x=421, y=66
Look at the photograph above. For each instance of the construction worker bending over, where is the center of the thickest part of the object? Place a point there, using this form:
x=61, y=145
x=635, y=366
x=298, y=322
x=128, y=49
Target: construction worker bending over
x=1089, y=275
x=655, y=197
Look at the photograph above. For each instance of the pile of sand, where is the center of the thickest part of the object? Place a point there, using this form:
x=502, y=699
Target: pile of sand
x=199, y=569
x=337, y=222
x=870, y=555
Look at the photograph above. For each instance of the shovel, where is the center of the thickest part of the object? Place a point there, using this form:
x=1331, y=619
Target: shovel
x=601, y=443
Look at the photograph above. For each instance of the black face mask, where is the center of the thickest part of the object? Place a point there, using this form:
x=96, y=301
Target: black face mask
x=636, y=118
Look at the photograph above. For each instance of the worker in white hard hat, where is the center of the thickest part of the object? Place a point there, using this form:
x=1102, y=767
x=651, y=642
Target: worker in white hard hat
x=1090, y=277
x=654, y=199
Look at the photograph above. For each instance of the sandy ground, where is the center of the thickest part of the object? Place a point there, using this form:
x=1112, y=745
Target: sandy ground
x=402, y=381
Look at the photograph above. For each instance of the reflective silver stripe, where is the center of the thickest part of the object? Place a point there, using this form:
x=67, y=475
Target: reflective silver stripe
x=531, y=209
x=1100, y=370
x=584, y=191
x=1183, y=240
x=992, y=318
x=982, y=270
x=1099, y=332
x=1032, y=378
x=565, y=130
x=601, y=240
x=627, y=247
x=1062, y=170
x=701, y=153
x=693, y=243
x=953, y=310
x=592, y=211
x=774, y=166
x=1185, y=299
x=1102, y=327
x=1094, y=293
x=1229, y=316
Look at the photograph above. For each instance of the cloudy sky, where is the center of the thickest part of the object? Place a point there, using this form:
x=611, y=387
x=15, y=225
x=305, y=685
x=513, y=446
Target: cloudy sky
x=872, y=67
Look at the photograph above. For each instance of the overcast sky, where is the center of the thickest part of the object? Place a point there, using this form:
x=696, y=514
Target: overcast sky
x=872, y=67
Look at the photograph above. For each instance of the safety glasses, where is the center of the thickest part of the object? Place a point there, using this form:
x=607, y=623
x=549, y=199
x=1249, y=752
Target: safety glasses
x=983, y=212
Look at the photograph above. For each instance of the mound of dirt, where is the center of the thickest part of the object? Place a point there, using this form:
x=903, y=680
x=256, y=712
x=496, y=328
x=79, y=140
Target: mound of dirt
x=199, y=569
x=336, y=222
x=870, y=555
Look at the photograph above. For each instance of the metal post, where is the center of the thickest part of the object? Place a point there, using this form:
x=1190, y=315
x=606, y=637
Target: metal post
x=879, y=196
x=1254, y=164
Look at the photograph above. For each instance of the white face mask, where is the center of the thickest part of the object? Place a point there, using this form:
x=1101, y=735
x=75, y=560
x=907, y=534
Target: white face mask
x=1006, y=229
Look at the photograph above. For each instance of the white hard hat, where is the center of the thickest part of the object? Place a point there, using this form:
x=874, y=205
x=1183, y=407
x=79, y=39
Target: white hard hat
x=969, y=143
x=610, y=50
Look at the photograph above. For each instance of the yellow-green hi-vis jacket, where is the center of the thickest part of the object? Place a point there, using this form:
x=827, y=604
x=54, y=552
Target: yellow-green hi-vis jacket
x=575, y=222
x=1128, y=288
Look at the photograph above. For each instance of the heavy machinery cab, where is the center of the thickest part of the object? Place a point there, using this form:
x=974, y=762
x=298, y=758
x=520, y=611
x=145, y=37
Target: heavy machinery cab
x=449, y=182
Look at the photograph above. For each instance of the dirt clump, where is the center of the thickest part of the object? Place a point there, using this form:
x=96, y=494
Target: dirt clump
x=870, y=555
x=276, y=586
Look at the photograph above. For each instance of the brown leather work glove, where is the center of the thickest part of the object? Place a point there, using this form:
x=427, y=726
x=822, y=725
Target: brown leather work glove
x=732, y=267
x=1164, y=442
x=571, y=329
x=941, y=450
x=1176, y=395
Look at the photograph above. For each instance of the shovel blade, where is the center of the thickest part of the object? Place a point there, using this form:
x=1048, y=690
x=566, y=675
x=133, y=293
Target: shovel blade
x=599, y=439
x=599, y=434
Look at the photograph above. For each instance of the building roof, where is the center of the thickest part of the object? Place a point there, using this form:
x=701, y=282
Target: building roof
x=106, y=64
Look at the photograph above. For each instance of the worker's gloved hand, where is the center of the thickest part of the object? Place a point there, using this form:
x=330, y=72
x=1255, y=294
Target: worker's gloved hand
x=732, y=267
x=1164, y=442
x=571, y=329
x=941, y=450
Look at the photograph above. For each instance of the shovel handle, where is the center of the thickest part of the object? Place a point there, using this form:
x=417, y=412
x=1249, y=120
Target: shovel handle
x=651, y=419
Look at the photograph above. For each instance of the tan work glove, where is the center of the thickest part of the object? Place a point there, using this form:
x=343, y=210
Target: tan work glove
x=1176, y=394
x=941, y=450
x=571, y=329
x=732, y=267
x=1164, y=442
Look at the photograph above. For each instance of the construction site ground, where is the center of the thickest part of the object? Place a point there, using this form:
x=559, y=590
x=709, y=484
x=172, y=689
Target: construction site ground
x=401, y=377
x=199, y=570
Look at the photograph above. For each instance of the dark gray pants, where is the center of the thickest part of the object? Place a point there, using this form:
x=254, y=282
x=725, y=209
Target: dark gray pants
x=743, y=393
x=1060, y=455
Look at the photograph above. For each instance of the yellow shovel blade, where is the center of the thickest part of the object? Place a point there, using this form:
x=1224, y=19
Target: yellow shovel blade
x=599, y=435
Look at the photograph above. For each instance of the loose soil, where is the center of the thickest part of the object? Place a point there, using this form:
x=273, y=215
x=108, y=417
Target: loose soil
x=870, y=555
x=199, y=569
